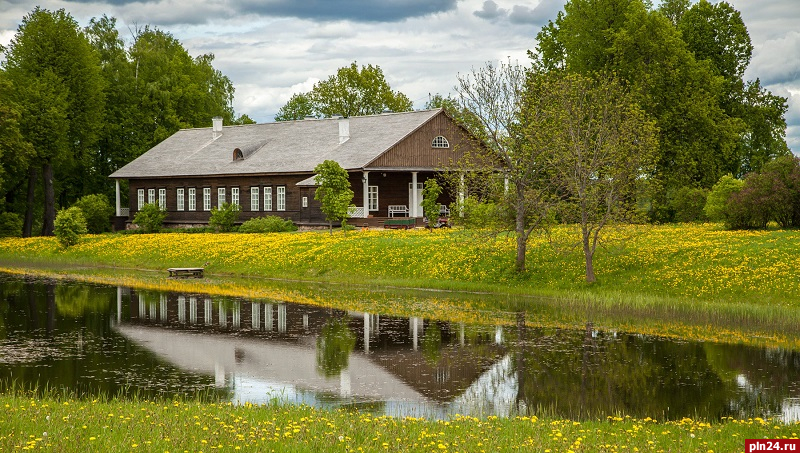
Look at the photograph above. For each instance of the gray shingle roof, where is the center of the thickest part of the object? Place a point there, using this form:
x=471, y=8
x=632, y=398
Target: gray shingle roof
x=281, y=147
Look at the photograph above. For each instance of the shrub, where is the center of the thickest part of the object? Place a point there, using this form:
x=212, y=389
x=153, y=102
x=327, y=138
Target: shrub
x=688, y=204
x=69, y=225
x=10, y=225
x=150, y=218
x=268, y=224
x=785, y=175
x=473, y=213
x=224, y=217
x=717, y=200
x=97, y=212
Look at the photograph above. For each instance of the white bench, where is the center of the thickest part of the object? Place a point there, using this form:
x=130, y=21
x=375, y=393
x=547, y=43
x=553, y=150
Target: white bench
x=398, y=209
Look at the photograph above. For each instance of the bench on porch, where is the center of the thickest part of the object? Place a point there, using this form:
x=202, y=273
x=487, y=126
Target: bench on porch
x=196, y=272
x=398, y=209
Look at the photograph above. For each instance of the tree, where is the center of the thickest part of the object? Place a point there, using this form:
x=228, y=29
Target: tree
x=150, y=218
x=224, y=217
x=69, y=224
x=97, y=211
x=600, y=146
x=494, y=94
x=298, y=107
x=684, y=65
x=57, y=80
x=430, y=201
x=717, y=201
x=350, y=92
x=333, y=192
x=154, y=87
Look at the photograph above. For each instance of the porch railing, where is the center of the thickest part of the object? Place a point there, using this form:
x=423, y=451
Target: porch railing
x=356, y=212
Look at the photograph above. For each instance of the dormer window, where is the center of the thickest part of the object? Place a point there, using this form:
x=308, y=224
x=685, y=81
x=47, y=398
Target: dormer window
x=440, y=142
x=237, y=154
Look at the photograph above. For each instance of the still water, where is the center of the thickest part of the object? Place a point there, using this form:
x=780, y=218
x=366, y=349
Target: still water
x=91, y=339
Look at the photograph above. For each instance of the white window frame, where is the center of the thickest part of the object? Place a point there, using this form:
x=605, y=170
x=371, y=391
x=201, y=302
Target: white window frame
x=305, y=202
x=254, y=202
x=162, y=199
x=440, y=142
x=179, y=198
x=235, y=196
x=372, y=194
x=140, y=196
x=280, y=198
x=206, y=198
x=268, y=198
x=151, y=196
x=220, y=196
x=192, y=199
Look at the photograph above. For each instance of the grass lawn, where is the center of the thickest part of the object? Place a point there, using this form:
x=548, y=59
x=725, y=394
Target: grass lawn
x=67, y=424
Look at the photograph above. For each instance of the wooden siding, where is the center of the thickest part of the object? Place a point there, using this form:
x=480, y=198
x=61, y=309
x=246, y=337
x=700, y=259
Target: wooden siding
x=294, y=194
x=415, y=151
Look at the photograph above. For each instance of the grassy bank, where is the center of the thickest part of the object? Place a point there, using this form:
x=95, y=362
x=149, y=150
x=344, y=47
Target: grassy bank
x=67, y=424
x=693, y=281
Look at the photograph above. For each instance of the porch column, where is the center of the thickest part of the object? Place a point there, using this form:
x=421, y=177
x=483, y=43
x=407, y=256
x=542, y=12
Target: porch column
x=414, y=201
x=119, y=210
x=365, y=180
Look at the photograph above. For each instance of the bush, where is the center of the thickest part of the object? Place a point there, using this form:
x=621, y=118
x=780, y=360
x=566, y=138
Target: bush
x=688, y=204
x=717, y=200
x=10, y=225
x=268, y=224
x=150, y=218
x=224, y=217
x=480, y=214
x=97, y=211
x=69, y=225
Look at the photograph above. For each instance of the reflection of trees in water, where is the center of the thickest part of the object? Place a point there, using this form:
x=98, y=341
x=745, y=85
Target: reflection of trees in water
x=432, y=343
x=65, y=343
x=595, y=374
x=334, y=345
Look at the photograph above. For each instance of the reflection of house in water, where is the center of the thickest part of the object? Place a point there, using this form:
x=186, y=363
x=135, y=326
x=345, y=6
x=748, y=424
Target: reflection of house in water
x=272, y=346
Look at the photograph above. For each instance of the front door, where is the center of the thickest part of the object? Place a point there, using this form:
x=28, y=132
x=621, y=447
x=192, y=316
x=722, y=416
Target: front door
x=411, y=199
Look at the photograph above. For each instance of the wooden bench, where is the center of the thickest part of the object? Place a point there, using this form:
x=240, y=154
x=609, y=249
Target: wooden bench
x=405, y=224
x=196, y=272
x=398, y=209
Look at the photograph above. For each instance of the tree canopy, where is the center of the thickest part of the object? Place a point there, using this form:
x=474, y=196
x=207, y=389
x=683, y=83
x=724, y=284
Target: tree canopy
x=684, y=64
x=77, y=104
x=352, y=91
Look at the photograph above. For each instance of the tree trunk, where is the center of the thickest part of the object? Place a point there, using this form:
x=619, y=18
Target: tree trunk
x=588, y=253
x=27, y=228
x=49, y=200
x=522, y=237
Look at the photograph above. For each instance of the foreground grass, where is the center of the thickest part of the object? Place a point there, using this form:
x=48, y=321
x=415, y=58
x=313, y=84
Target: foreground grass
x=67, y=424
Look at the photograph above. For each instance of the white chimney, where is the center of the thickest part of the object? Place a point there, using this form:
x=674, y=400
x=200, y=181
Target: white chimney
x=344, y=130
x=217, y=128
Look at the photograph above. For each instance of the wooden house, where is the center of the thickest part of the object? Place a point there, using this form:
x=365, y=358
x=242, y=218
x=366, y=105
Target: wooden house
x=268, y=169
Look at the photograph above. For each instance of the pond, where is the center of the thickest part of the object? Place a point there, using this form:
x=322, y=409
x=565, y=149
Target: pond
x=91, y=339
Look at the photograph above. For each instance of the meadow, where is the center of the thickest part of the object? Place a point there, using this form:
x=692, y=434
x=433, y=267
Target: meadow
x=62, y=423
x=688, y=280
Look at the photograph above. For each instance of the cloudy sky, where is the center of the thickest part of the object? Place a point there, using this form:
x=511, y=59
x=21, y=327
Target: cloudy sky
x=271, y=49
